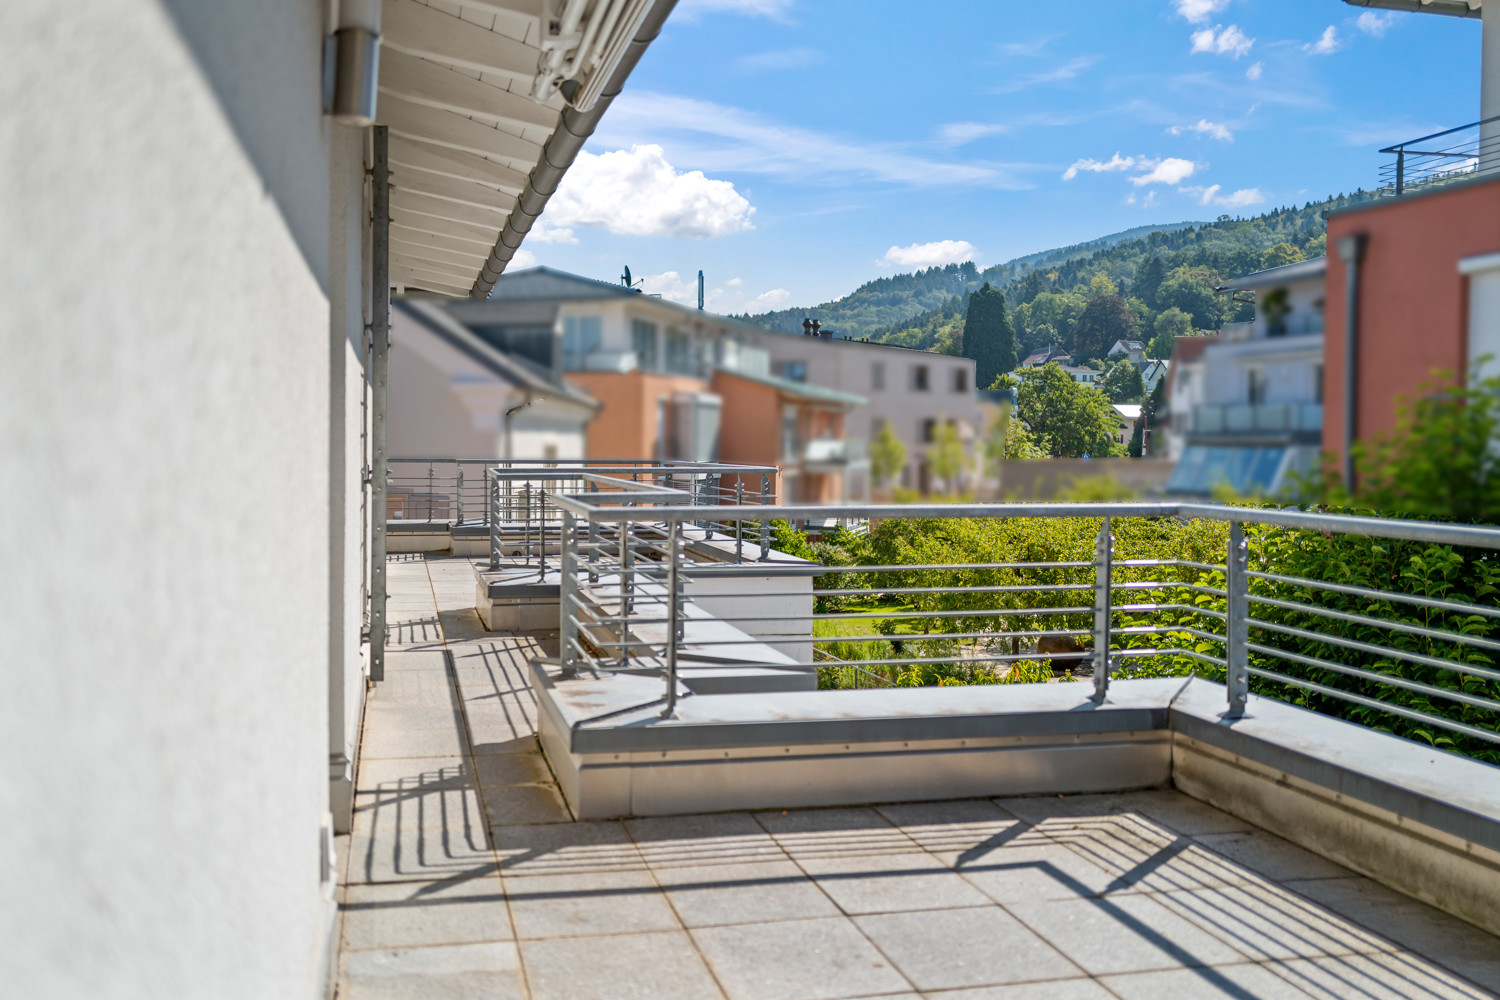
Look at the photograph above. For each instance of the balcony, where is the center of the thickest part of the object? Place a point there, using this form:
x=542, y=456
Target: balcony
x=1249, y=419
x=1456, y=154
x=1220, y=831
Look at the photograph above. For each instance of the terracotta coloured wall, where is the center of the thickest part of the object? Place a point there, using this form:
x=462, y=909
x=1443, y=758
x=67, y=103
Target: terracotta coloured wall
x=626, y=426
x=749, y=427
x=1413, y=315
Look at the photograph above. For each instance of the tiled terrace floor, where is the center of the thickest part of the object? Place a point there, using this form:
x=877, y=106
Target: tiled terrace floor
x=467, y=879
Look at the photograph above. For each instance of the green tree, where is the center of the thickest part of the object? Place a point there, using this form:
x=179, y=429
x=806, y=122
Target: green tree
x=1170, y=325
x=1104, y=321
x=1148, y=279
x=1192, y=291
x=1068, y=419
x=1123, y=383
x=946, y=456
x=988, y=337
x=1280, y=255
x=887, y=454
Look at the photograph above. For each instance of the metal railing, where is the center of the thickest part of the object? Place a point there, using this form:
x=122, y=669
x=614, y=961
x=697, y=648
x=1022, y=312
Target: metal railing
x=1460, y=153
x=1217, y=606
x=1249, y=418
x=436, y=489
x=525, y=525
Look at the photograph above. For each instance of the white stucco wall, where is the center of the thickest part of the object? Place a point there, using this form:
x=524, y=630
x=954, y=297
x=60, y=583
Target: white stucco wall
x=165, y=430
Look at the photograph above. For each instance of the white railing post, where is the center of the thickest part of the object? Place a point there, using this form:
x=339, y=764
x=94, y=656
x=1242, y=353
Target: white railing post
x=1237, y=621
x=567, y=588
x=765, y=523
x=674, y=540
x=494, y=483
x=1103, y=612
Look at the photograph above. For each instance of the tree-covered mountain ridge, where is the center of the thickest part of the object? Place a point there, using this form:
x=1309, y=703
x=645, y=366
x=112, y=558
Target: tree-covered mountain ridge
x=925, y=309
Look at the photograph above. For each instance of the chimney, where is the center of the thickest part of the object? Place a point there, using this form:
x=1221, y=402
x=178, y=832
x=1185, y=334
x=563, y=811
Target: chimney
x=817, y=328
x=700, y=291
x=807, y=327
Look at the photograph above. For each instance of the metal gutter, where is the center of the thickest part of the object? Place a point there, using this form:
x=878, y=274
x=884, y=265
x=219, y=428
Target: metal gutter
x=560, y=152
x=1449, y=8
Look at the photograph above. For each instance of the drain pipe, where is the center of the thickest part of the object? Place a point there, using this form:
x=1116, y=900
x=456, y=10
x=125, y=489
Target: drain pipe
x=560, y=152
x=1352, y=250
x=380, y=346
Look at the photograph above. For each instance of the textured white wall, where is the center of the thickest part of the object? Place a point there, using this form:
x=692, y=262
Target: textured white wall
x=164, y=455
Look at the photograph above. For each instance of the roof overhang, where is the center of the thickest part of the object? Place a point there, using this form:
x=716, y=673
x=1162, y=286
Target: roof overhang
x=1452, y=8
x=487, y=103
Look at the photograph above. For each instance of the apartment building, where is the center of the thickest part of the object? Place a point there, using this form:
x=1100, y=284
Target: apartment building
x=1259, y=423
x=915, y=392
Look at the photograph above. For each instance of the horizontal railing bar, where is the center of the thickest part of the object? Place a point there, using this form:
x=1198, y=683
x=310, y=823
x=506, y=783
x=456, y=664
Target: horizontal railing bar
x=1441, y=635
x=1437, y=135
x=1382, y=595
x=1375, y=678
x=1436, y=662
x=1383, y=706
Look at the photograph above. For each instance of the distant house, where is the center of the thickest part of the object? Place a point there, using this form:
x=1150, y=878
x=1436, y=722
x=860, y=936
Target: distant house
x=1152, y=372
x=1045, y=355
x=1135, y=350
x=452, y=394
x=794, y=425
x=1088, y=376
x=1184, y=395
x=1128, y=414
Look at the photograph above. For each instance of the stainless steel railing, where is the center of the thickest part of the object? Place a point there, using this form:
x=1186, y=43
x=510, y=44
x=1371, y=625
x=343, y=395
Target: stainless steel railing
x=1231, y=609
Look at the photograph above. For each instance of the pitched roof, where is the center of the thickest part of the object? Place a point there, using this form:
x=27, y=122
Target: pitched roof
x=1303, y=270
x=1190, y=348
x=432, y=317
x=798, y=390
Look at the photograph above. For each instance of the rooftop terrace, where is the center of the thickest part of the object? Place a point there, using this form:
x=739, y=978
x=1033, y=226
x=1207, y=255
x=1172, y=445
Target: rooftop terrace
x=465, y=875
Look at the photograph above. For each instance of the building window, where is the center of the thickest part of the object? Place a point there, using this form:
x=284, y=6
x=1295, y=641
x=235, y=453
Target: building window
x=929, y=430
x=792, y=371
x=919, y=378
x=1255, y=389
x=960, y=380
x=680, y=352
x=789, y=434
x=582, y=336
x=643, y=343
x=877, y=375
x=1317, y=374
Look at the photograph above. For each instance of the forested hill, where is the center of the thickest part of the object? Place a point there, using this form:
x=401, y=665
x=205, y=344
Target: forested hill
x=925, y=309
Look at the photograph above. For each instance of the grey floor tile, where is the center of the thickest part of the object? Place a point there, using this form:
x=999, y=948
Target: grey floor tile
x=545, y=906
x=825, y=959
x=889, y=883
x=1411, y=924
x=752, y=892
x=1271, y=856
x=566, y=849
x=414, y=914
x=834, y=832
x=659, y=966
x=1181, y=813
x=1128, y=933
x=1055, y=989
x=720, y=838
x=413, y=687
x=946, y=949
x=459, y=972
x=1230, y=982
x=957, y=832
x=402, y=718
x=1036, y=808
x=1044, y=871
x=421, y=660
x=1121, y=841
x=400, y=774
x=454, y=809
x=505, y=741
x=418, y=856
x=511, y=805
x=512, y=769
x=1269, y=922
x=1376, y=977
x=379, y=742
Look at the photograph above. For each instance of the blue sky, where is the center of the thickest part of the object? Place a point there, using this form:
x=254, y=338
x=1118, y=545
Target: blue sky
x=794, y=149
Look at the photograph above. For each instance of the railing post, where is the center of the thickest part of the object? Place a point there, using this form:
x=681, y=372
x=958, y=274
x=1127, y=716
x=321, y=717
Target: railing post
x=460, y=493
x=765, y=522
x=494, y=481
x=567, y=586
x=593, y=538
x=430, y=494
x=674, y=539
x=526, y=518
x=1103, y=575
x=625, y=591
x=739, y=534
x=1237, y=621
x=1400, y=171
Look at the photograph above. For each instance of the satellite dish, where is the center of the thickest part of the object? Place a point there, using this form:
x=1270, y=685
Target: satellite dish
x=625, y=278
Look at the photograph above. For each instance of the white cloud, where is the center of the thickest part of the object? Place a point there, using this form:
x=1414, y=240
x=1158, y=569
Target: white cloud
x=766, y=301
x=1171, y=170
x=920, y=255
x=521, y=260
x=1031, y=48
x=1198, y=11
x=543, y=233
x=1058, y=74
x=776, y=10
x=1116, y=162
x=637, y=192
x=1375, y=24
x=1230, y=41
x=778, y=60
x=958, y=133
x=1150, y=199
x=1239, y=199
x=717, y=137
x=1255, y=71
x=1205, y=127
x=1327, y=43
x=735, y=282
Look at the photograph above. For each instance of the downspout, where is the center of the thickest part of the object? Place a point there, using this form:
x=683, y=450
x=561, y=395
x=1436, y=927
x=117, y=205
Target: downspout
x=380, y=346
x=560, y=152
x=1352, y=250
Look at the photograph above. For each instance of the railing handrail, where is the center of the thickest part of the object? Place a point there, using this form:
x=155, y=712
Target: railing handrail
x=592, y=507
x=1400, y=147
